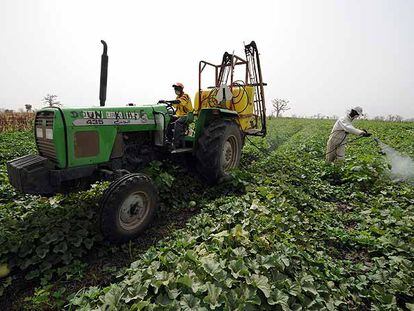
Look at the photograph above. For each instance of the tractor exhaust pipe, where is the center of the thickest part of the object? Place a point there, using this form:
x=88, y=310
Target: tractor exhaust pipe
x=104, y=74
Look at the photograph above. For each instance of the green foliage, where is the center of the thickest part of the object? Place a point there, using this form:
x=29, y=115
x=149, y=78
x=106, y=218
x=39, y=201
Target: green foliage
x=304, y=235
x=40, y=237
x=288, y=232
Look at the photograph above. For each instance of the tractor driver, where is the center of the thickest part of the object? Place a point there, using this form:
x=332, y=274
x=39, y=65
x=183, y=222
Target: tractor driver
x=182, y=107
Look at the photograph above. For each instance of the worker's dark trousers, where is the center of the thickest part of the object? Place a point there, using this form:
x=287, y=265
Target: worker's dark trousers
x=179, y=128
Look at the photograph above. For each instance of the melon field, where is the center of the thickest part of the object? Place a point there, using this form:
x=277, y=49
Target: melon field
x=287, y=232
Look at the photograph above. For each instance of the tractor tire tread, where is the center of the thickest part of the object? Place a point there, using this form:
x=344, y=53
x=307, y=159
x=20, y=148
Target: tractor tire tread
x=111, y=200
x=208, y=150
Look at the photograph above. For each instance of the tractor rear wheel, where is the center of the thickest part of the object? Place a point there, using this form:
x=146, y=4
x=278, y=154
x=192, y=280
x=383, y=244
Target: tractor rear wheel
x=219, y=150
x=127, y=207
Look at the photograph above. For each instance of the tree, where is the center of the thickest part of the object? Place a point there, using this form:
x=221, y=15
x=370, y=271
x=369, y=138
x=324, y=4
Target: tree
x=50, y=100
x=28, y=107
x=398, y=118
x=279, y=106
x=394, y=118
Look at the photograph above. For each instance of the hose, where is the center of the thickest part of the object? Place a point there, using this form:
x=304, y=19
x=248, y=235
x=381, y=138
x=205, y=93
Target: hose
x=211, y=100
x=267, y=153
x=342, y=143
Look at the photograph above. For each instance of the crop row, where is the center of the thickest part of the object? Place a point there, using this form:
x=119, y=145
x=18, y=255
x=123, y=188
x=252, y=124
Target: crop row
x=16, y=121
x=305, y=235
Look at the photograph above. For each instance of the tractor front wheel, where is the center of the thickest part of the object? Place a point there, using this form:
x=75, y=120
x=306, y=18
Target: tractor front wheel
x=219, y=150
x=127, y=207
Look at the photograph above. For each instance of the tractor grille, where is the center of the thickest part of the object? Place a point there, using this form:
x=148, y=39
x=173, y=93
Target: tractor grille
x=44, y=134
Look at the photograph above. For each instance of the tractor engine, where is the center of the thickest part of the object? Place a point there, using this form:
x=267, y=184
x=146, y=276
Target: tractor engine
x=138, y=150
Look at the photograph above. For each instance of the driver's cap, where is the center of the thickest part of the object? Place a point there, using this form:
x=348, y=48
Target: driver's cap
x=178, y=84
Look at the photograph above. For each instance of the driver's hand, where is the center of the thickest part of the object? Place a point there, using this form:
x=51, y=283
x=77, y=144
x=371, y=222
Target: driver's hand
x=162, y=101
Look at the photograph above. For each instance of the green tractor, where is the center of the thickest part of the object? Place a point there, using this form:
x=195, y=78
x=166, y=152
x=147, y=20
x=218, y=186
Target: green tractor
x=77, y=146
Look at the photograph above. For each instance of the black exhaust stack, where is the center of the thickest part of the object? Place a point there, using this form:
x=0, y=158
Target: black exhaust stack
x=104, y=74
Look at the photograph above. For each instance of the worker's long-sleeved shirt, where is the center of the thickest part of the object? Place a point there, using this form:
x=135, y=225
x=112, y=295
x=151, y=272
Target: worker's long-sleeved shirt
x=336, y=143
x=184, y=106
x=345, y=124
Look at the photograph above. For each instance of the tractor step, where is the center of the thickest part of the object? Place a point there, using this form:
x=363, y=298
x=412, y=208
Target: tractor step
x=252, y=131
x=182, y=150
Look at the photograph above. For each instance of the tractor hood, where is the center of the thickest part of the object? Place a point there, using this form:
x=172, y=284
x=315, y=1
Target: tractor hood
x=83, y=136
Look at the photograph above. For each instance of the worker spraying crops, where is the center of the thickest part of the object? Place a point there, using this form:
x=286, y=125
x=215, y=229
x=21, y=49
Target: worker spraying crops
x=335, y=149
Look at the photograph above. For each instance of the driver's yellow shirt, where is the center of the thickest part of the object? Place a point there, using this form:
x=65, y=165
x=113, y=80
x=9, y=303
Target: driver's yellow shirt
x=184, y=106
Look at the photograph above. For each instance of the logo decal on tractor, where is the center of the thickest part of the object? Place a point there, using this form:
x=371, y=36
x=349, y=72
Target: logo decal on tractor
x=111, y=118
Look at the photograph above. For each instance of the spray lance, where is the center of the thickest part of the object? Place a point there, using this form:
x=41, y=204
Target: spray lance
x=378, y=142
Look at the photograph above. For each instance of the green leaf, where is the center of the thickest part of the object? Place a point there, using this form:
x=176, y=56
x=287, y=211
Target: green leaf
x=210, y=265
x=88, y=243
x=160, y=278
x=163, y=300
x=285, y=260
x=112, y=298
x=261, y=282
x=62, y=247
x=213, y=295
x=50, y=237
x=250, y=295
x=42, y=251
x=25, y=249
x=279, y=298
x=172, y=293
x=238, y=268
x=137, y=291
x=4, y=270
x=141, y=305
x=32, y=274
x=310, y=289
x=185, y=280
x=190, y=303
x=295, y=289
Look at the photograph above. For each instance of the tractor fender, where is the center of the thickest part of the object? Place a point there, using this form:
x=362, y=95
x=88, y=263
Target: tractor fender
x=208, y=115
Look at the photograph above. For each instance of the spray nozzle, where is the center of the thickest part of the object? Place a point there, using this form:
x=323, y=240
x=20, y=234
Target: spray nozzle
x=379, y=144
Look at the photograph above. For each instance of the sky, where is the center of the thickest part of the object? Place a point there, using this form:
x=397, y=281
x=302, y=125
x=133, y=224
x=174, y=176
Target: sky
x=322, y=56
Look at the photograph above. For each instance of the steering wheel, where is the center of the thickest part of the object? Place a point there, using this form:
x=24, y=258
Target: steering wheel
x=169, y=105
